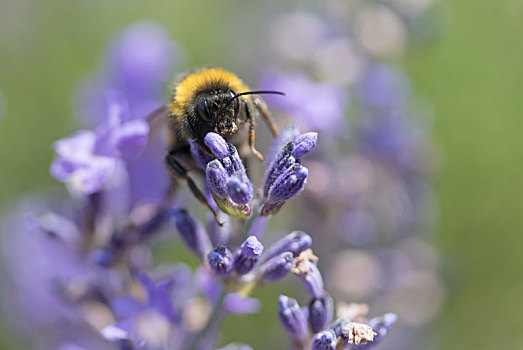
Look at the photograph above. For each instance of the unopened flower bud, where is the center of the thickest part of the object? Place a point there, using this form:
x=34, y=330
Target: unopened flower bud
x=292, y=318
x=220, y=260
x=295, y=242
x=325, y=340
x=217, y=177
x=192, y=232
x=304, y=143
x=239, y=188
x=217, y=145
x=248, y=255
x=289, y=184
x=320, y=313
x=277, y=267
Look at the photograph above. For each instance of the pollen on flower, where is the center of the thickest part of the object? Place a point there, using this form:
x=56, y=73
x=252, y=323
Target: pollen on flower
x=358, y=333
x=303, y=262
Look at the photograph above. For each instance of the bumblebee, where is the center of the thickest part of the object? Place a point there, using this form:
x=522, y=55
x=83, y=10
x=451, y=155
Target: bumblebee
x=212, y=100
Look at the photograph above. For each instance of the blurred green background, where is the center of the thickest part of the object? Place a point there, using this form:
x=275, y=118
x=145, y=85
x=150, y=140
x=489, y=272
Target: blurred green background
x=473, y=76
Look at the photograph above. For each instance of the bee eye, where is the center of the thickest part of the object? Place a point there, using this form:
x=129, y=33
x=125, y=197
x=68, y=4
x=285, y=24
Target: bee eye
x=235, y=102
x=236, y=106
x=202, y=109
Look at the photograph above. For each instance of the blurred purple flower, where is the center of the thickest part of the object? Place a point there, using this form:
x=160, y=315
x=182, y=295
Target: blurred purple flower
x=88, y=159
x=43, y=259
x=383, y=87
x=138, y=64
x=314, y=105
x=238, y=304
x=137, y=319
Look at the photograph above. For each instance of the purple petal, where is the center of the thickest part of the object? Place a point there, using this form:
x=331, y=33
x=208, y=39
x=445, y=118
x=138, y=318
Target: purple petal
x=92, y=178
x=131, y=138
x=78, y=145
x=238, y=304
x=125, y=307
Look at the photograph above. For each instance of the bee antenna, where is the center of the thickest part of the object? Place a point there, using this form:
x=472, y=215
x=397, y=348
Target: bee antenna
x=256, y=93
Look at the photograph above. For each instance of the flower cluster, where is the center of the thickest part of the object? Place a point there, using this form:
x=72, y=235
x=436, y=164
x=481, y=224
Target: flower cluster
x=93, y=275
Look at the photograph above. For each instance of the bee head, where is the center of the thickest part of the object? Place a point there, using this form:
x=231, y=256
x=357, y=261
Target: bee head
x=217, y=110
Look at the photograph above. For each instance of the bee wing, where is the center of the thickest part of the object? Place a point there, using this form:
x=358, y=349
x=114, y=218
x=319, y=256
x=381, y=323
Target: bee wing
x=161, y=112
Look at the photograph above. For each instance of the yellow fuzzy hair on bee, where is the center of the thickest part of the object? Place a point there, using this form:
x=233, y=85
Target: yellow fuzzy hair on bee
x=192, y=84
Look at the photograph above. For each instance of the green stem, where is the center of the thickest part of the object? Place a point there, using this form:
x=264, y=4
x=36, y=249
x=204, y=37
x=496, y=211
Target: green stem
x=215, y=315
x=248, y=224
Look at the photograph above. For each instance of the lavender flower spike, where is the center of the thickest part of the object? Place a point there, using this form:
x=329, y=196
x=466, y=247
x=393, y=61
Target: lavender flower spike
x=286, y=177
x=220, y=260
x=277, y=267
x=324, y=341
x=292, y=318
x=192, y=232
x=248, y=255
x=230, y=187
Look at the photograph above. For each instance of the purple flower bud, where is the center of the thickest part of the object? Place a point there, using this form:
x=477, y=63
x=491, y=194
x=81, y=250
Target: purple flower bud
x=217, y=145
x=313, y=282
x=324, y=341
x=277, y=267
x=292, y=318
x=240, y=188
x=289, y=184
x=295, y=242
x=216, y=177
x=248, y=255
x=192, y=232
x=281, y=163
x=320, y=313
x=304, y=143
x=220, y=260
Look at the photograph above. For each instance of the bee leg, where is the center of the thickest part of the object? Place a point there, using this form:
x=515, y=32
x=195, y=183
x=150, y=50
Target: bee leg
x=266, y=114
x=252, y=131
x=180, y=170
